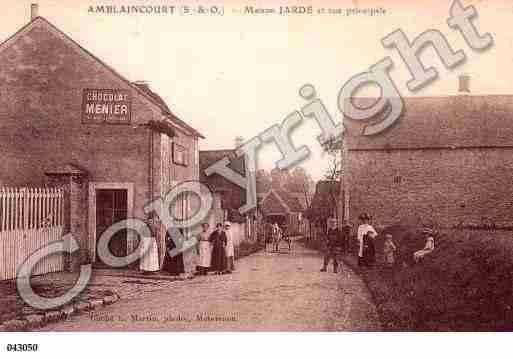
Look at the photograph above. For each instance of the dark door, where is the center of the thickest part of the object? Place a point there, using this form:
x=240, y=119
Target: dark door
x=111, y=207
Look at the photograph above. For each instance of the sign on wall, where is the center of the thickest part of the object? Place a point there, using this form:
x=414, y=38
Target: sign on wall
x=106, y=106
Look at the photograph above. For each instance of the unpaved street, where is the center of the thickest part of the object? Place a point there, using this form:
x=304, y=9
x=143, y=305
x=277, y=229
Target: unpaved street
x=269, y=292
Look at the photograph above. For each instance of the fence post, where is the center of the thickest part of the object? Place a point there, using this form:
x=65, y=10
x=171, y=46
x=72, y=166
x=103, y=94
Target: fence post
x=74, y=182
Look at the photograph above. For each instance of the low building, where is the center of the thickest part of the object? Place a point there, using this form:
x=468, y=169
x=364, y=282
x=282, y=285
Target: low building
x=228, y=197
x=279, y=206
x=64, y=113
x=447, y=161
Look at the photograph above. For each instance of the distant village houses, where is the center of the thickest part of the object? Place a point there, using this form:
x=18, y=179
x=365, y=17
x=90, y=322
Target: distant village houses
x=228, y=197
x=282, y=206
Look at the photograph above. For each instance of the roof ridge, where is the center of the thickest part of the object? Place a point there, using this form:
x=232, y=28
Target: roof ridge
x=104, y=64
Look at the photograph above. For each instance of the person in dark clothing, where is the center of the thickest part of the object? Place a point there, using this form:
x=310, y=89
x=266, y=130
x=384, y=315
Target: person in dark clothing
x=369, y=250
x=346, y=235
x=218, y=240
x=333, y=246
x=365, y=235
x=174, y=265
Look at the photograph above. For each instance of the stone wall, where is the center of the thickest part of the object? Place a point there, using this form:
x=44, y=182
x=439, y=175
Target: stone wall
x=440, y=186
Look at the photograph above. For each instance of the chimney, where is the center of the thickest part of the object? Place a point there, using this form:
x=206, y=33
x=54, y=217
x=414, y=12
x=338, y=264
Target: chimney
x=143, y=83
x=464, y=84
x=34, y=11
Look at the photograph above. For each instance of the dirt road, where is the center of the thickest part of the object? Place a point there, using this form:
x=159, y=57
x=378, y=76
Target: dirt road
x=268, y=292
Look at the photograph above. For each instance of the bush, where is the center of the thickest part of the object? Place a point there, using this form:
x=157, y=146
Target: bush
x=464, y=285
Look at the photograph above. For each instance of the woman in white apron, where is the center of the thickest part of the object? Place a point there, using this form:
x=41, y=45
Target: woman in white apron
x=149, y=262
x=204, y=250
x=364, y=229
x=229, y=249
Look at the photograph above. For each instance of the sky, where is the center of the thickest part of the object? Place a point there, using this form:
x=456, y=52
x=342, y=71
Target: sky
x=238, y=74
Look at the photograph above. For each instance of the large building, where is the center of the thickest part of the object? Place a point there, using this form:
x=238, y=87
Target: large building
x=447, y=161
x=64, y=111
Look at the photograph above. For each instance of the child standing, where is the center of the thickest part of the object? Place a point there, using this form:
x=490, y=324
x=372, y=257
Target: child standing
x=389, y=249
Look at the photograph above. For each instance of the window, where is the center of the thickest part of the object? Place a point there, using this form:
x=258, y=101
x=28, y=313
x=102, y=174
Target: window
x=180, y=155
x=398, y=179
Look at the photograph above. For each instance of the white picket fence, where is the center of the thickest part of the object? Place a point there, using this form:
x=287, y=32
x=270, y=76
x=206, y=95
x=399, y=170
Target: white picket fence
x=30, y=218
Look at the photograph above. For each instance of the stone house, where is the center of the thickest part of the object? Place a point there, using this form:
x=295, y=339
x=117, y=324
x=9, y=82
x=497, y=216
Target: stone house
x=447, y=161
x=228, y=197
x=277, y=205
x=64, y=113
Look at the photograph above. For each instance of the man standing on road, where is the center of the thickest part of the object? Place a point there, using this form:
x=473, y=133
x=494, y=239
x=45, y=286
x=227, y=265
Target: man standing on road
x=333, y=245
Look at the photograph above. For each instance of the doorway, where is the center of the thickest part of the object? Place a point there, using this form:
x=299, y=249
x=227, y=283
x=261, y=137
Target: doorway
x=110, y=203
x=111, y=207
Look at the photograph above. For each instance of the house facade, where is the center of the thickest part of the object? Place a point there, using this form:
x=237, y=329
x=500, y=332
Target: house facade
x=228, y=197
x=64, y=111
x=277, y=205
x=447, y=161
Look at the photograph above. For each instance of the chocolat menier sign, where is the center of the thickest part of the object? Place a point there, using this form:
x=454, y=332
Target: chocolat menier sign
x=106, y=106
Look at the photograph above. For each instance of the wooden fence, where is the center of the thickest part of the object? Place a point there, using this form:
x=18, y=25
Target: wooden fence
x=30, y=218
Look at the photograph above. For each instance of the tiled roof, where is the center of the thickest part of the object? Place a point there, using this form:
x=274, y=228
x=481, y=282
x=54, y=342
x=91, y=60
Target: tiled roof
x=440, y=122
x=291, y=201
x=273, y=202
x=208, y=158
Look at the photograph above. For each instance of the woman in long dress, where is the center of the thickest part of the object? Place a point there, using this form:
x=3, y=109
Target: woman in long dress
x=229, y=248
x=204, y=249
x=364, y=229
x=149, y=262
x=218, y=240
x=174, y=265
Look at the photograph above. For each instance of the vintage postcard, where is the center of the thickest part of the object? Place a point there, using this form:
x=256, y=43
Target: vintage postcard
x=270, y=166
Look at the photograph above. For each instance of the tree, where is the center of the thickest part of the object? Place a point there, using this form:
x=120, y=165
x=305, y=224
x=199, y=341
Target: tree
x=334, y=148
x=335, y=170
x=300, y=181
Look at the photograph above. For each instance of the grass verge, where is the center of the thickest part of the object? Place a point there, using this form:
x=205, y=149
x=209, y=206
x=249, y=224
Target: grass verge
x=466, y=284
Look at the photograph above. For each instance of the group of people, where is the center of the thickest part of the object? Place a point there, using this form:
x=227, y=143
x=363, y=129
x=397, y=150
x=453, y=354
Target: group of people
x=276, y=234
x=215, y=249
x=337, y=243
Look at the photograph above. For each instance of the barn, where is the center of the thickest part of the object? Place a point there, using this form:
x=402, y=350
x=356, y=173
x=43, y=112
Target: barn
x=447, y=161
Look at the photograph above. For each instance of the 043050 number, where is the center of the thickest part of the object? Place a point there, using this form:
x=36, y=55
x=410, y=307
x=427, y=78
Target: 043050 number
x=22, y=347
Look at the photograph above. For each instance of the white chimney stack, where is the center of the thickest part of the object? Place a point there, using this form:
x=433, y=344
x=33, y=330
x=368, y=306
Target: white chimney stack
x=34, y=11
x=143, y=83
x=464, y=84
